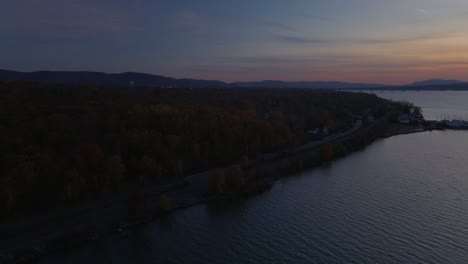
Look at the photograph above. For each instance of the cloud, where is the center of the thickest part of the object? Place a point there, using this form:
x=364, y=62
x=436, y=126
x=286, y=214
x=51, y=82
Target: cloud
x=301, y=39
x=423, y=11
x=285, y=59
x=70, y=19
x=294, y=39
x=343, y=65
x=345, y=60
x=187, y=18
x=310, y=16
x=322, y=59
x=276, y=25
x=402, y=39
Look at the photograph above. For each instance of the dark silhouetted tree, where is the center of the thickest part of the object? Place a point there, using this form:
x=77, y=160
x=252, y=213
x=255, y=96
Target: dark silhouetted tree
x=217, y=181
x=165, y=203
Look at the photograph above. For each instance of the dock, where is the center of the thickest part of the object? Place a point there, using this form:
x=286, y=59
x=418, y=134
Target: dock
x=445, y=124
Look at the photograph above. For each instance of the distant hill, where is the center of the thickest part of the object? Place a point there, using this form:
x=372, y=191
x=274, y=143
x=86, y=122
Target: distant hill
x=435, y=82
x=142, y=79
x=430, y=85
x=317, y=84
x=148, y=80
x=106, y=79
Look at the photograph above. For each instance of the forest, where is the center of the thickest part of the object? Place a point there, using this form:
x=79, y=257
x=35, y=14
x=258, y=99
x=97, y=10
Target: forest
x=64, y=144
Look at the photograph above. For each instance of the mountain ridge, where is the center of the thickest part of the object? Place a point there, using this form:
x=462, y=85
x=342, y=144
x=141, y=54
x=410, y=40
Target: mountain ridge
x=144, y=79
x=432, y=82
x=149, y=80
x=105, y=79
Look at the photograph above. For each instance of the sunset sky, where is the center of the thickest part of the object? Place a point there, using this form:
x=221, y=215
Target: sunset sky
x=377, y=41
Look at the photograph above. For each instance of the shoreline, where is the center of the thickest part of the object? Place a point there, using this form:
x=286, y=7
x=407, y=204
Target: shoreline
x=401, y=129
x=189, y=195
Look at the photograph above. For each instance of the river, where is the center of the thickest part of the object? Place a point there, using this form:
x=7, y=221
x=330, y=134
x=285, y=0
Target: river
x=437, y=105
x=401, y=200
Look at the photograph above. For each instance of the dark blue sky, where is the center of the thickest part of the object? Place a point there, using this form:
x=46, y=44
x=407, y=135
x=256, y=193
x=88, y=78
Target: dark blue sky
x=349, y=40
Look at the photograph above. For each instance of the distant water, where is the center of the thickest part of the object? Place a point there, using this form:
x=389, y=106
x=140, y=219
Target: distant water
x=437, y=105
x=401, y=200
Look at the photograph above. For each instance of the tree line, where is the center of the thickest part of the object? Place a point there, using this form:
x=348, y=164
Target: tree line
x=64, y=144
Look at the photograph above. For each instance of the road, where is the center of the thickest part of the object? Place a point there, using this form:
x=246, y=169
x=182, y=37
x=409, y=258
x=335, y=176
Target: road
x=314, y=144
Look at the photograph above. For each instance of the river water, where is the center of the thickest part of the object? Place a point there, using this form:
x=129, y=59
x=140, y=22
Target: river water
x=437, y=105
x=401, y=200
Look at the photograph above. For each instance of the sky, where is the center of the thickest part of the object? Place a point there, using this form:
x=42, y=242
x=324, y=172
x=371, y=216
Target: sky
x=372, y=41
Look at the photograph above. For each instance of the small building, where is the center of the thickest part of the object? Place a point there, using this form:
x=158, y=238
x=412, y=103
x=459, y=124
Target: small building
x=456, y=124
x=325, y=131
x=405, y=119
x=322, y=131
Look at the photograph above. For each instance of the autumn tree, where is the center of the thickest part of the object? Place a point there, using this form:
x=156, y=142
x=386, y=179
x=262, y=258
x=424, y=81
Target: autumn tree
x=149, y=167
x=165, y=203
x=217, y=181
x=417, y=112
x=327, y=152
x=285, y=166
x=75, y=185
x=244, y=161
x=196, y=150
x=8, y=189
x=331, y=124
x=235, y=177
x=114, y=170
x=89, y=159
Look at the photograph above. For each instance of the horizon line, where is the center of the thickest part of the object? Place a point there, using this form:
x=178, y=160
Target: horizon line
x=232, y=82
